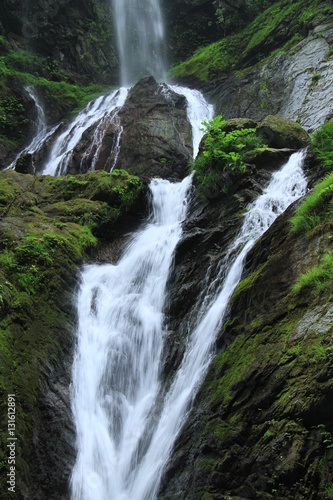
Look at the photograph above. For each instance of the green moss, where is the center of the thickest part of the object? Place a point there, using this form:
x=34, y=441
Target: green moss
x=236, y=362
x=248, y=282
x=287, y=22
x=206, y=465
x=48, y=226
x=223, y=430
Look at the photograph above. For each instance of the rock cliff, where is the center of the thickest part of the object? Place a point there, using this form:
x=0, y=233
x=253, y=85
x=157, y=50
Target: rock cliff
x=294, y=84
x=261, y=425
x=151, y=135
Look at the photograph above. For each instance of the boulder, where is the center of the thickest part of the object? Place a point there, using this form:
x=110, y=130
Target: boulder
x=157, y=137
x=148, y=136
x=24, y=164
x=281, y=133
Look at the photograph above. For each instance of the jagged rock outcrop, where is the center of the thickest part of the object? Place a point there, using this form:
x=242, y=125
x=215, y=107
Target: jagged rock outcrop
x=156, y=137
x=149, y=136
x=294, y=84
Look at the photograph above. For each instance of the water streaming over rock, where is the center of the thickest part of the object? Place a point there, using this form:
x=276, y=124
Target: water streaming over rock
x=98, y=112
x=286, y=186
x=140, y=35
x=123, y=443
x=39, y=128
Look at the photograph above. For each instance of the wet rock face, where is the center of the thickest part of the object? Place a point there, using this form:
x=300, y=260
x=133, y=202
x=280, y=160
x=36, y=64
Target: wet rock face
x=157, y=137
x=262, y=421
x=149, y=136
x=294, y=84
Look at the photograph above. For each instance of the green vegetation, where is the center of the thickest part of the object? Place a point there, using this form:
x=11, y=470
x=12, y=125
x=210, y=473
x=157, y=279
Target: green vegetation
x=248, y=282
x=24, y=68
x=48, y=226
x=318, y=205
x=322, y=145
x=274, y=29
x=317, y=278
x=223, y=152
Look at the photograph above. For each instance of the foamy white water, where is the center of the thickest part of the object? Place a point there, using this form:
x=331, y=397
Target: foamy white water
x=198, y=110
x=120, y=341
x=116, y=368
x=100, y=111
x=122, y=450
x=286, y=186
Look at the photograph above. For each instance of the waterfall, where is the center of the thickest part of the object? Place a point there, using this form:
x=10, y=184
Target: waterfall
x=140, y=35
x=102, y=111
x=120, y=341
x=116, y=367
x=286, y=186
x=123, y=443
x=39, y=129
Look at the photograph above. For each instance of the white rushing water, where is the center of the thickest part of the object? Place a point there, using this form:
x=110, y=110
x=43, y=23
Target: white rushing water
x=198, y=110
x=123, y=444
x=286, y=186
x=140, y=35
x=40, y=129
x=116, y=368
x=101, y=111
x=120, y=340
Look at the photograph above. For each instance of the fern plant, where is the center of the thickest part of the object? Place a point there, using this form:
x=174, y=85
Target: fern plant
x=223, y=153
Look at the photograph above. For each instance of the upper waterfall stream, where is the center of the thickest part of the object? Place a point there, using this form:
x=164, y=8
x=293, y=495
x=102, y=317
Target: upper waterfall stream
x=140, y=35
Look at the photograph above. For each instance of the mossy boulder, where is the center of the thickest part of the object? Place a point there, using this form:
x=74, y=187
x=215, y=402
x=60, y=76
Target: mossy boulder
x=48, y=227
x=279, y=132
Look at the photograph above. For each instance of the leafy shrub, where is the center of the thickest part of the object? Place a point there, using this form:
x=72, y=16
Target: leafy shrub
x=223, y=152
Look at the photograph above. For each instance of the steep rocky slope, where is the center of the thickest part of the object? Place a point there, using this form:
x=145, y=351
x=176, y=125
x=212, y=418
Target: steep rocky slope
x=49, y=226
x=261, y=424
x=280, y=63
x=294, y=84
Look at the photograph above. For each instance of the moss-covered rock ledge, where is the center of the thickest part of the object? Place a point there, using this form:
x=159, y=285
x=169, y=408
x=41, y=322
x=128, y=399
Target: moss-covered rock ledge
x=48, y=226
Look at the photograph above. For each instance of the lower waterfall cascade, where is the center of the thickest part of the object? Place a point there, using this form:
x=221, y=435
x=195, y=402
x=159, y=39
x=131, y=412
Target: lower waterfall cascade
x=123, y=439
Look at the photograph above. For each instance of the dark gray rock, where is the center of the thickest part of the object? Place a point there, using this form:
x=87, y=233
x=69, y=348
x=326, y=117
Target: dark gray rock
x=295, y=84
x=157, y=137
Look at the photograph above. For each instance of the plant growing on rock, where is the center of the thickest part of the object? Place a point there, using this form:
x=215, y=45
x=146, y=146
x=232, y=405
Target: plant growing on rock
x=322, y=144
x=223, y=155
